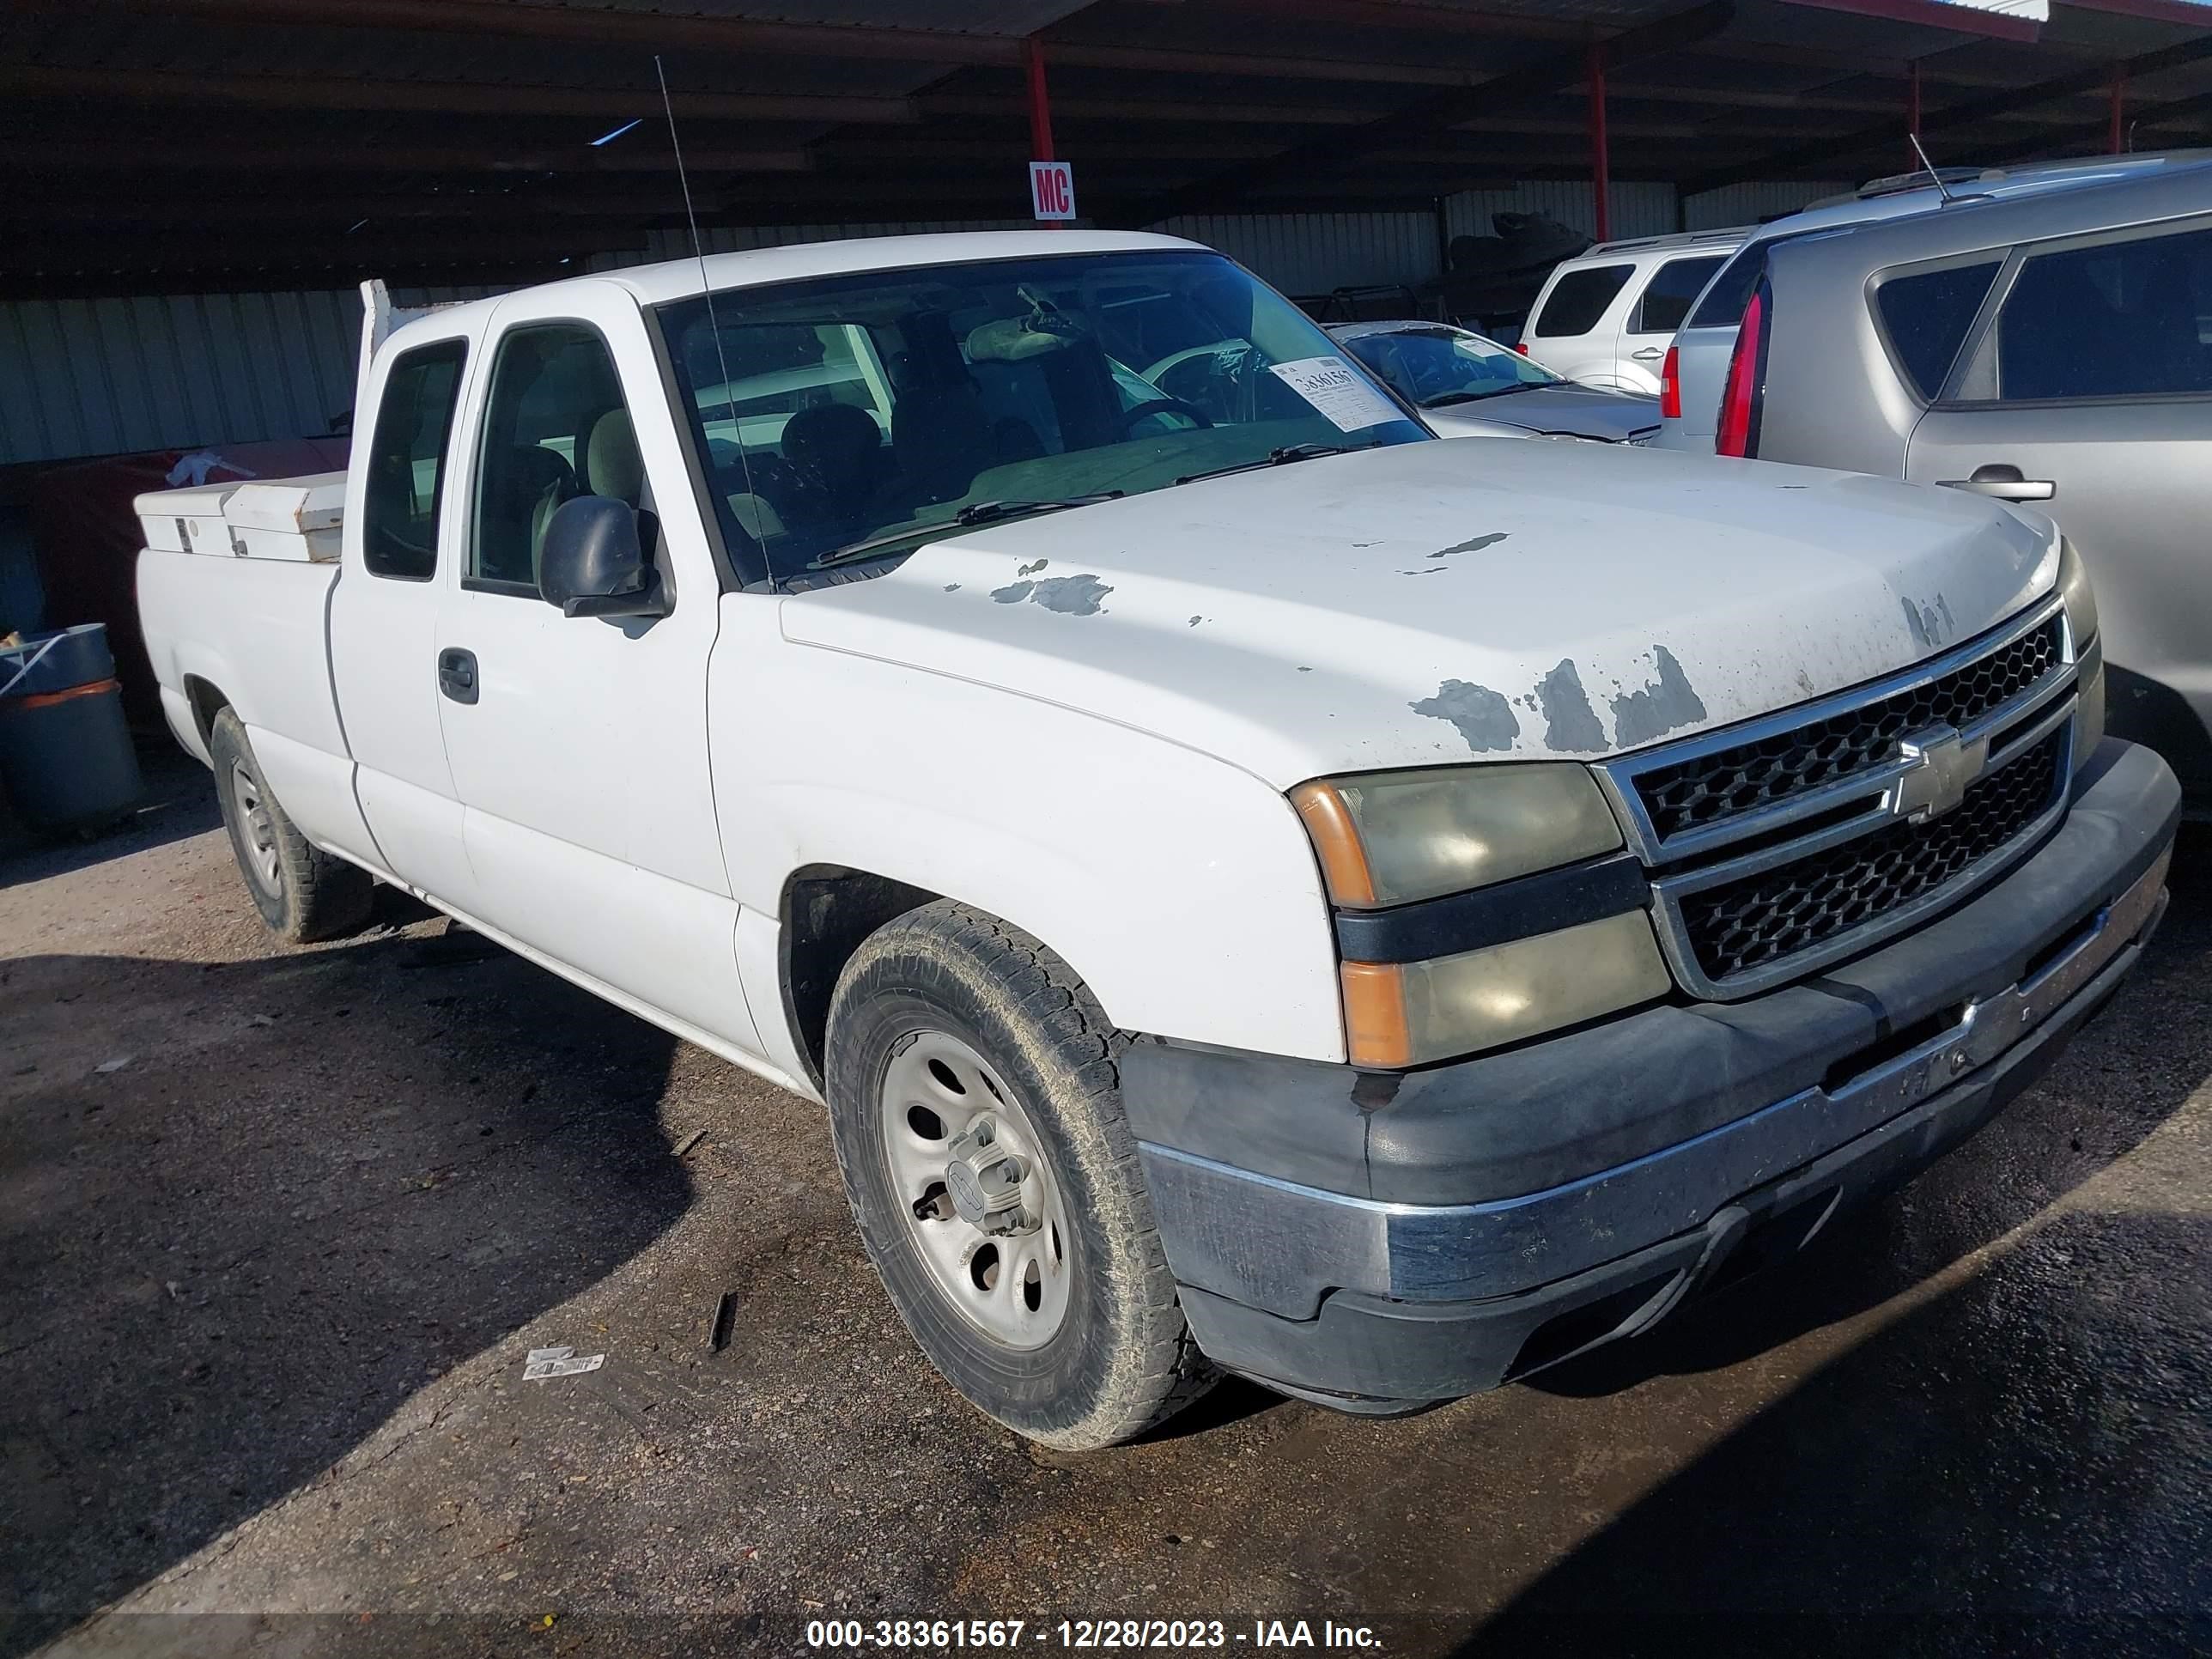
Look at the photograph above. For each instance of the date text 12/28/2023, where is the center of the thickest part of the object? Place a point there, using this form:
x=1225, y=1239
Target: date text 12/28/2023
x=1171, y=1635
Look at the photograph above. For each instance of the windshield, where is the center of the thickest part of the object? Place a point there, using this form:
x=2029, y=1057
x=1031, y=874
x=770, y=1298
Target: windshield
x=1433, y=367
x=858, y=409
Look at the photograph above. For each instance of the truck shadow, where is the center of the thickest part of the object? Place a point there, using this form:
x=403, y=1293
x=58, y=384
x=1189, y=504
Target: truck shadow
x=230, y=1258
x=2016, y=1466
x=2122, y=1077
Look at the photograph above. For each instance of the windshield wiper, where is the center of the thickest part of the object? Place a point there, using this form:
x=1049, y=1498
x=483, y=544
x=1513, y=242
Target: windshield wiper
x=974, y=513
x=1444, y=398
x=1282, y=457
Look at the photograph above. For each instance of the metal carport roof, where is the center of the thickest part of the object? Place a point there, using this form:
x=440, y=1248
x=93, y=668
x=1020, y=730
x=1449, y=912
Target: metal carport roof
x=181, y=145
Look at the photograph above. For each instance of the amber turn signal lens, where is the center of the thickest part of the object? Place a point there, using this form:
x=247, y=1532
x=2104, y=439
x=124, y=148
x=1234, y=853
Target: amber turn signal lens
x=1336, y=840
x=1375, y=1027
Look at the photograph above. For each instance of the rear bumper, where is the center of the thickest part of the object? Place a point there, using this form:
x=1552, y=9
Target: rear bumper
x=1387, y=1239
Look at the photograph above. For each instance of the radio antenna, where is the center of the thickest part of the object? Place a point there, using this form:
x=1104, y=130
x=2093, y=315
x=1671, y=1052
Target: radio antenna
x=707, y=289
x=1942, y=188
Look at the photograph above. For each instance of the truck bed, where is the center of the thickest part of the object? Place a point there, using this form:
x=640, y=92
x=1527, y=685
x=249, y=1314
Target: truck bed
x=234, y=593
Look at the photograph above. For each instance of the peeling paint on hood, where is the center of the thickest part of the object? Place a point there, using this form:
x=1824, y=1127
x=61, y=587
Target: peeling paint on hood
x=1624, y=596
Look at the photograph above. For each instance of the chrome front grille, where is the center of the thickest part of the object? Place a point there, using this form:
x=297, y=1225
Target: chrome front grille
x=1730, y=782
x=1783, y=844
x=1795, y=906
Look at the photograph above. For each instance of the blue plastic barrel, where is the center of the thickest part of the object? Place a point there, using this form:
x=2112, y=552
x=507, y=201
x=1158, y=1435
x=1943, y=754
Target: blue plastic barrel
x=65, y=753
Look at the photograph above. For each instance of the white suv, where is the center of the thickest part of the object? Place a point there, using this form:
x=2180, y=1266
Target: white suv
x=1605, y=316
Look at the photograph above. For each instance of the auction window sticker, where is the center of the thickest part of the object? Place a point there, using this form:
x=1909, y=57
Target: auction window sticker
x=1339, y=392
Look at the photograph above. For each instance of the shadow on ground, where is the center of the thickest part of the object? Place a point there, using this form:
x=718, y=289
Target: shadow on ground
x=2061, y=1132
x=2016, y=1465
x=228, y=1260
x=179, y=801
x=1979, y=1478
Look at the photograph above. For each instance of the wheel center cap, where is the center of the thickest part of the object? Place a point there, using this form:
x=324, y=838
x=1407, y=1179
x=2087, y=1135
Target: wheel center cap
x=984, y=1181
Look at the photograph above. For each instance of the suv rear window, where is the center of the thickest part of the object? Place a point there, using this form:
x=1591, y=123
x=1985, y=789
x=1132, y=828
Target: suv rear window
x=1667, y=297
x=1926, y=316
x=1579, y=299
x=2115, y=319
x=1723, y=305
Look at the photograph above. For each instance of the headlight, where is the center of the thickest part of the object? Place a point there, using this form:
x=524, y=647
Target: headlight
x=2089, y=718
x=1406, y=1014
x=2081, y=599
x=1392, y=837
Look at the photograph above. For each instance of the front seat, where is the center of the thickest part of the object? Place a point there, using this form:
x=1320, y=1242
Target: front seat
x=836, y=454
x=612, y=465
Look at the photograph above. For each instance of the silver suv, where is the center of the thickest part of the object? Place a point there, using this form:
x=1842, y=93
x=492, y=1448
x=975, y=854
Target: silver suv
x=1605, y=316
x=2053, y=351
x=1693, y=369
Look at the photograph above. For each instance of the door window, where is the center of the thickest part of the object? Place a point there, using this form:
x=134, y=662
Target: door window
x=1578, y=300
x=407, y=462
x=2120, y=319
x=1674, y=288
x=555, y=427
x=1926, y=315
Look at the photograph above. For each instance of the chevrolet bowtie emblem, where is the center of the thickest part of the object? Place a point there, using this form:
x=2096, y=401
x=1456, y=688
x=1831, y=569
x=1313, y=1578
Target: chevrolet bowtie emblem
x=1940, y=765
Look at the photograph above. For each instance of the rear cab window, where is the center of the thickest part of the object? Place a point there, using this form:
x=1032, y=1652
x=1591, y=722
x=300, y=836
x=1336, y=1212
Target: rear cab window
x=1926, y=316
x=1674, y=288
x=1578, y=300
x=407, y=462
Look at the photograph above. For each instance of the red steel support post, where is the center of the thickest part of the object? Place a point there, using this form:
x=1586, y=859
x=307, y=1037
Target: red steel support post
x=1601, y=162
x=2118, y=143
x=1040, y=105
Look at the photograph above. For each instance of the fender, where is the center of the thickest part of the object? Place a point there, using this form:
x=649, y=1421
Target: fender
x=1183, y=890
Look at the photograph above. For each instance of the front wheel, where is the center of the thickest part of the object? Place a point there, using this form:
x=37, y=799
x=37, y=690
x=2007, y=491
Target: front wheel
x=302, y=892
x=975, y=1103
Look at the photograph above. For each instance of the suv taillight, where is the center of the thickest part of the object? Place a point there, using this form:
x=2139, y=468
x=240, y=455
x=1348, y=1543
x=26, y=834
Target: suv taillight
x=1521, y=346
x=1670, y=386
x=1741, y=400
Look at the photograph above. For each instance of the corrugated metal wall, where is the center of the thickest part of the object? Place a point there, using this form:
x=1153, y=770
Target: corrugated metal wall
x=1751, y=204
x=100, y=377
x=97, y=377
x=1311, y=253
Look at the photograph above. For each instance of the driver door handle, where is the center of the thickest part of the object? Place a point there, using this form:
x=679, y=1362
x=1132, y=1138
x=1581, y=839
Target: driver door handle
x=2004, y=483
x=457, y=675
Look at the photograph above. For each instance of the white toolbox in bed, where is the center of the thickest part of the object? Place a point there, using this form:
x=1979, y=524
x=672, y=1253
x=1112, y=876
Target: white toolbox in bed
x=295, y=518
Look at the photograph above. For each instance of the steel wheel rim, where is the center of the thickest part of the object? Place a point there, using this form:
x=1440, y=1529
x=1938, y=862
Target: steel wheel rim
x=1011, y=1286
x=257, y=829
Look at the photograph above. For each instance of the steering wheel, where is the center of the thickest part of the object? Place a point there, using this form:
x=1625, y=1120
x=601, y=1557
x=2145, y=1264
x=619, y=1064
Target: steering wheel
x=1239, y=376
x=1131, y=416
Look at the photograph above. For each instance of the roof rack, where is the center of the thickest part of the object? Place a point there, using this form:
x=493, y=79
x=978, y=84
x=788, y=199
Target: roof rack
x=1672, y=239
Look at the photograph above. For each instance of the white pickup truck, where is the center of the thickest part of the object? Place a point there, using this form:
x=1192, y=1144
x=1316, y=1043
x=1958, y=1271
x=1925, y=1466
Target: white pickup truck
x=1257, y=888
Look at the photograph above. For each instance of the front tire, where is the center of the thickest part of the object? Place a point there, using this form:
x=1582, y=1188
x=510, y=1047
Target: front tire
x=303, y=893
x=975, y=1102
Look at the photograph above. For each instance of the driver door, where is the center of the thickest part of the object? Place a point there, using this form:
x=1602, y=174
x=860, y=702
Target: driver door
x=578, y=746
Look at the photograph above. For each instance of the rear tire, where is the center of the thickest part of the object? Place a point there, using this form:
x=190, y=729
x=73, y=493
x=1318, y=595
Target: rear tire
x=303, y=893
x=952, y=1036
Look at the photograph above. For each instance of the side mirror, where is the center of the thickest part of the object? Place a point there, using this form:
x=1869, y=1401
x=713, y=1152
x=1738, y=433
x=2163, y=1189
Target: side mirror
x=593, y=562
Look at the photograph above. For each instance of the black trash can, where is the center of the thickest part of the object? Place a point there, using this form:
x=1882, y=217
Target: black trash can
x=65, y=753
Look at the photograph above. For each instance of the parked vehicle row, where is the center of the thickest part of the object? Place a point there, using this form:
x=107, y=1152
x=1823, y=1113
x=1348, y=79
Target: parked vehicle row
x=1468, y=387
x=1607, y=316
x=2035, y=341
x=1255, y=887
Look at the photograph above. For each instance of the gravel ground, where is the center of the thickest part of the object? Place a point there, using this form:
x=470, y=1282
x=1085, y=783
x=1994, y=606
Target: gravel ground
x=278, y=1228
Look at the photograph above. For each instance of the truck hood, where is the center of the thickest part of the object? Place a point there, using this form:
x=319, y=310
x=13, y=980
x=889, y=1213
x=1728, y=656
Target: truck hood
x=1427, y=603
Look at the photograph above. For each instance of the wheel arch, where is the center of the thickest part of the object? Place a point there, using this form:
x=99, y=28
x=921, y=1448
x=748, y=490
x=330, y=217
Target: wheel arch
x=206, y=700
x=824, y=913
